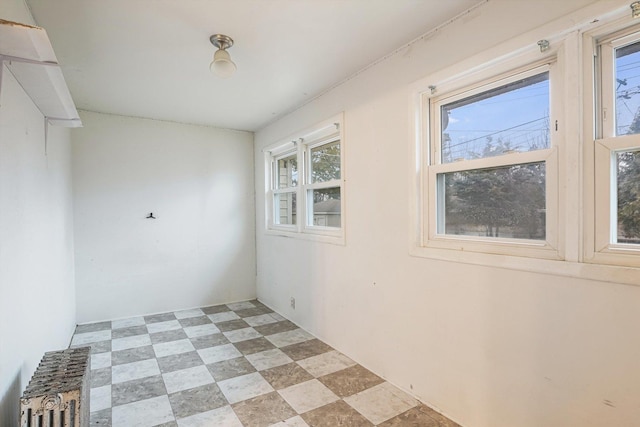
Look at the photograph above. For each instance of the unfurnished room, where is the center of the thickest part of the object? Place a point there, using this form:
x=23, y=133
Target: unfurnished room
x=320, y=213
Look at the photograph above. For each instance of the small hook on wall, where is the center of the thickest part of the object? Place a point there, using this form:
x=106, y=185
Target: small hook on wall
x=150, y=216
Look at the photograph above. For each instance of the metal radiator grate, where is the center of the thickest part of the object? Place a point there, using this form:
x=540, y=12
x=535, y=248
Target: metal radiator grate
x=58, y=393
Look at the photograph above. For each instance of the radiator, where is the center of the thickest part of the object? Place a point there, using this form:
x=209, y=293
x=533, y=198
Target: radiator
x=58, y=393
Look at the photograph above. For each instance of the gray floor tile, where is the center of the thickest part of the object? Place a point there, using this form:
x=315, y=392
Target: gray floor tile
x=129, y=332
x=132, y=355
x=263, y=411
x=176, y=362
x=255, y=311
x=286, y=375
x=232, y=325
x=163, y=317
x=230, y=368
x=338, y=414
x=174, y=335
x=207, y=341
x=412, y=417
x=100, y=377
x=196, y=400
x=93, y=327
x=306, y=349
x=255, y=345
x=97, y=347
x=135, y=390
x=194, y=321
x=214, y=309
x=350, y=381
x=101, y=418
x=276, y=328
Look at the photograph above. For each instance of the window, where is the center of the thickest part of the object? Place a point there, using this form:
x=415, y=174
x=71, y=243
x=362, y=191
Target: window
x=491, y=179
x=306, y=186
x=617, y=152
x=533, y=167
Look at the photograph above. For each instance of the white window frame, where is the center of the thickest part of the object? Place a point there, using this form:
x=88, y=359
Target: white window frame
x=600, y=154
x=285, y=190
x=574, y=95
x=301, y=143
x=430, y=114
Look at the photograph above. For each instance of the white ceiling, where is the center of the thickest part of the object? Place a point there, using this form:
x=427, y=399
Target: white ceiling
x=150, y=58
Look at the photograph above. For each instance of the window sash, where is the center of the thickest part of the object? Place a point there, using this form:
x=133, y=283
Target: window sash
x=550, y=159
x=436, y=104
x=275, y=171
x=277, y=214
x=606, y=187
x=606, y=122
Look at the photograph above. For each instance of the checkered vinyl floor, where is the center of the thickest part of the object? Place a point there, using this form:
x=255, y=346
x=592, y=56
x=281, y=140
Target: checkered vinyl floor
x=234, y=365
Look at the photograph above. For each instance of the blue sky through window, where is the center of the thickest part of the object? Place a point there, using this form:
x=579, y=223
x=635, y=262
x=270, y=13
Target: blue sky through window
x=510, y=118
x=627, y=86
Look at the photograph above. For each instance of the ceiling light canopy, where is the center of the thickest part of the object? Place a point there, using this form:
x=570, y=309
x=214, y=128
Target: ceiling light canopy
x=222, y=65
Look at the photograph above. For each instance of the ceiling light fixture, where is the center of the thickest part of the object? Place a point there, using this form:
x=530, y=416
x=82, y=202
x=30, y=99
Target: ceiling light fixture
x=222, y=65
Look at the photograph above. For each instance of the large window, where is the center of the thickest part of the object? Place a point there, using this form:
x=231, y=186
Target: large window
x=617, y=151
x=492, y=179
x=305, y=192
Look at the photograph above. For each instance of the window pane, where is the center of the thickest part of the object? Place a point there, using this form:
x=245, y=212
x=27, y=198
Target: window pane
x=628, y=89
x=628, y=223
x=288, y=172
x=511, y=118
x=285, y=208
x=325, y=162
x=325, y=207
x=506, y=202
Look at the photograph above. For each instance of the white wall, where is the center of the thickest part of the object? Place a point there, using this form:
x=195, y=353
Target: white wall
x=487, y=346
x=37, y=295
x=197, y=181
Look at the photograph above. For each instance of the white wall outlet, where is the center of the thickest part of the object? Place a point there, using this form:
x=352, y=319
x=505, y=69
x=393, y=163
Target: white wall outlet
x=293, y=303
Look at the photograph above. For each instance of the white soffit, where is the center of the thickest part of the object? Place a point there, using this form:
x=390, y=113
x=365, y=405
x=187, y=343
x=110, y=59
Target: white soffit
x=28, y=55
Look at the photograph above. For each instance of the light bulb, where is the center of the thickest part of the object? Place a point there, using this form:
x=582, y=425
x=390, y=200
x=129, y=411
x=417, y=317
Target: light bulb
x=222, y=65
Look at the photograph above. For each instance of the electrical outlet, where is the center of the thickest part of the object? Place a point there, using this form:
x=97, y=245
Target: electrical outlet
x=293, y=303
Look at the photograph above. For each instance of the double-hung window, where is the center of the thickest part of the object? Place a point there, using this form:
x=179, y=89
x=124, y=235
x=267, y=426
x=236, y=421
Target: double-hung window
x=491, y=181
x=305, y=191
x=617, y=152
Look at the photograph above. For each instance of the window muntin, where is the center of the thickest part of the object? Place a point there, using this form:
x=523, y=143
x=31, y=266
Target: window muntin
x=517, y=169
x=511, y=118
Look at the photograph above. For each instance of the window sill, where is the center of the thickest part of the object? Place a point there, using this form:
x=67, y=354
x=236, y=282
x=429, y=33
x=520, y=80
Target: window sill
x=336, y=238
x=588, y=271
